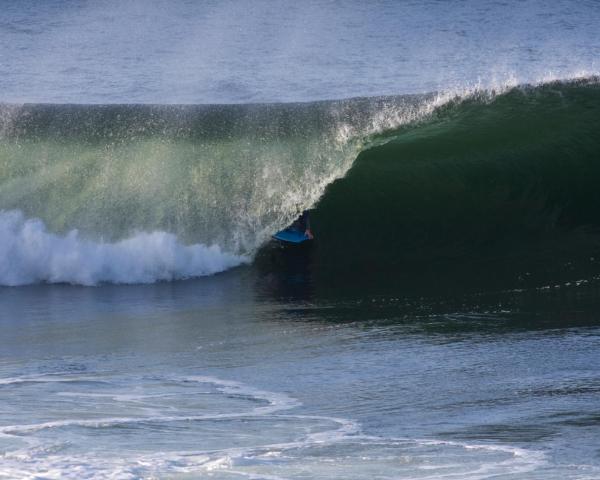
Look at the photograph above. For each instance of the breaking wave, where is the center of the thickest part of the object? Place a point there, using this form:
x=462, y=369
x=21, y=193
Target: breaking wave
x=140, y=193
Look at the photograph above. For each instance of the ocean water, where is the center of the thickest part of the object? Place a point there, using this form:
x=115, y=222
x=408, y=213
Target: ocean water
x=443, y=325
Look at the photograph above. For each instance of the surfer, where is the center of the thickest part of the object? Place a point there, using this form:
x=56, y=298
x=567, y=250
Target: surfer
x=302, y=224
x=297, y=233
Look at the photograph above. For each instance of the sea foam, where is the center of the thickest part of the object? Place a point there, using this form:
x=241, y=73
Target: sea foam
x=30, y=254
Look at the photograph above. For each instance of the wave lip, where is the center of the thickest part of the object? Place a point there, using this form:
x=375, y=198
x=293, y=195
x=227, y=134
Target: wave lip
x=30, y=254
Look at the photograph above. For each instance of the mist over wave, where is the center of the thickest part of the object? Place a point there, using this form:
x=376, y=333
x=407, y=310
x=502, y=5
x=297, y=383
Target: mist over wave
x=226, y=175
x=30, y=254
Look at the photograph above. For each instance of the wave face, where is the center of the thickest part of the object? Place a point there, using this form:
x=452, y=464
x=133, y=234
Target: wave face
x=222, y=177
x=394, y=180
x=485, y=176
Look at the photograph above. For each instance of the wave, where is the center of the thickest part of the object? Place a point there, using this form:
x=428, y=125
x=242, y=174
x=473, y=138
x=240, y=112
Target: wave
x=392, y=181
x=505, y=176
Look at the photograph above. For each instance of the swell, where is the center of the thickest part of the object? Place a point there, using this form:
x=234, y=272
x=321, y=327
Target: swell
x=507, y=176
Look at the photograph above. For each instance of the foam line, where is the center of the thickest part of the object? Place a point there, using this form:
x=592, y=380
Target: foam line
x=243, y=461
x=275, y=402
x=30, y=254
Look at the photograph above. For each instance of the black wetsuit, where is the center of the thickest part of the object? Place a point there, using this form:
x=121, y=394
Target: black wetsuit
x=302, y=223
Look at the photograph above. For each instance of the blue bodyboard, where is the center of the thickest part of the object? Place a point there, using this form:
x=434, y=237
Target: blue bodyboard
x=291, y=236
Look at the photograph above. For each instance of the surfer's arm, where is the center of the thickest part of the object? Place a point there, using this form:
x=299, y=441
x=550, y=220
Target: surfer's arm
x=308, y=232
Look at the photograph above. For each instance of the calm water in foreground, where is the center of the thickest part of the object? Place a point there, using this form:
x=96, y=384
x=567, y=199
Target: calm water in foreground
x=231, y=377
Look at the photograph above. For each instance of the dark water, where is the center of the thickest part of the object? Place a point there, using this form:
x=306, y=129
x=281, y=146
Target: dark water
x=443, y=324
